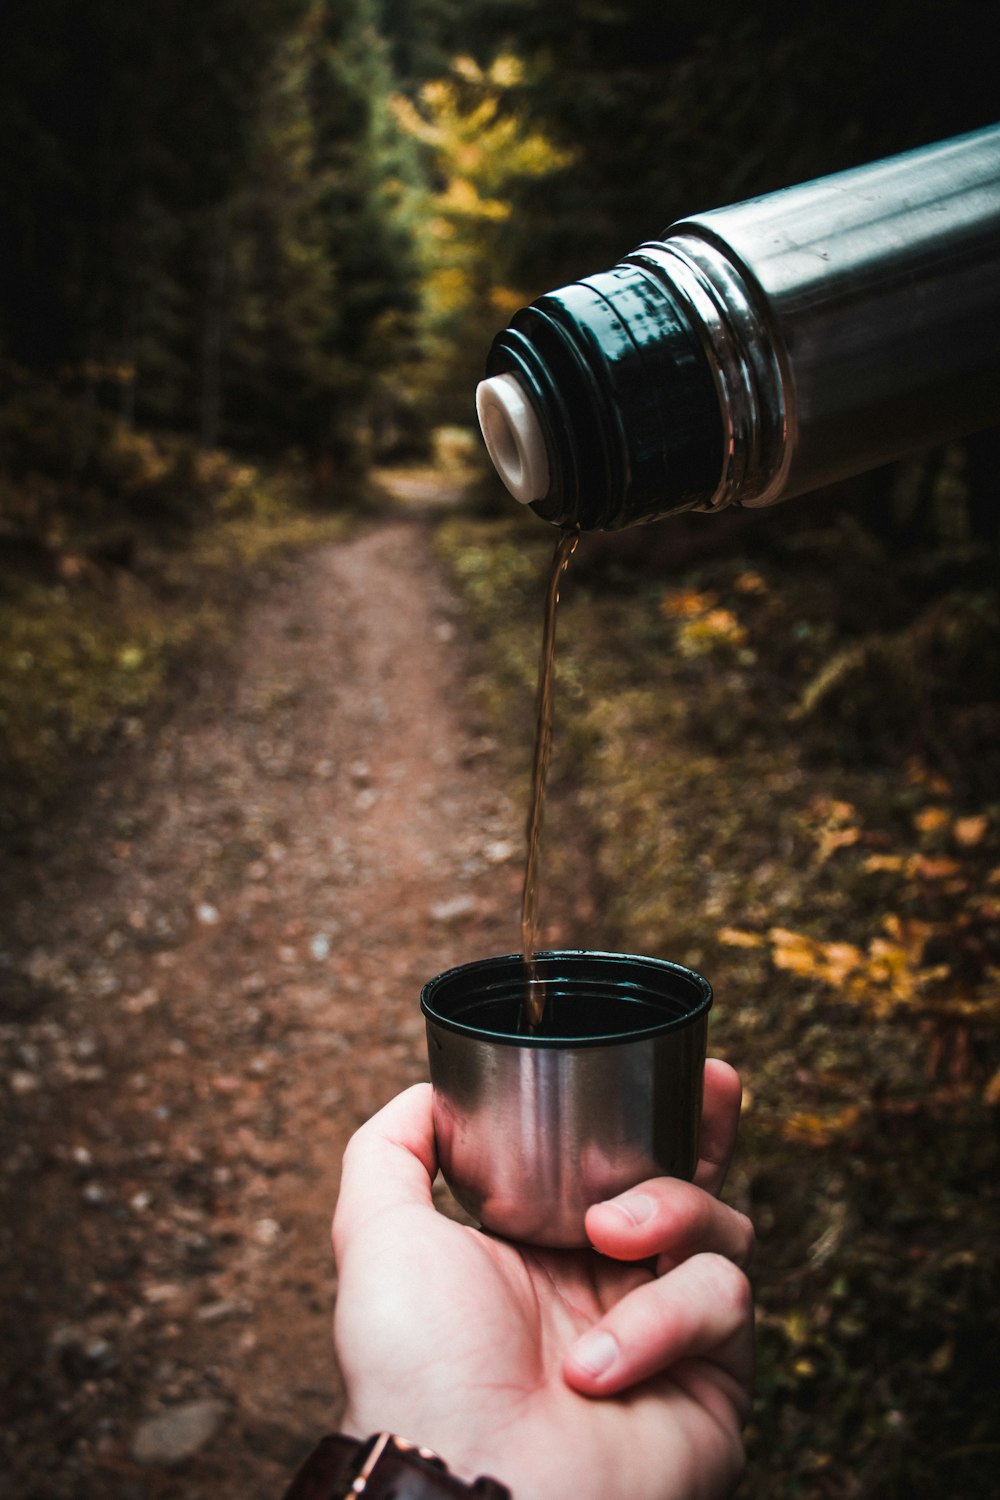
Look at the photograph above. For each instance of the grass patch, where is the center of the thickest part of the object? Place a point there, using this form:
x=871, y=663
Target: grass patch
x=96, y=616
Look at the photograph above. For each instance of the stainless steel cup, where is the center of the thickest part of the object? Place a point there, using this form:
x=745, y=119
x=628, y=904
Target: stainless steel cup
x=533, y=1128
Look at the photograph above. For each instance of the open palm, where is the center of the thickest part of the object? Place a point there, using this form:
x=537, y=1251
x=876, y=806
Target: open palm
x=493, y=1353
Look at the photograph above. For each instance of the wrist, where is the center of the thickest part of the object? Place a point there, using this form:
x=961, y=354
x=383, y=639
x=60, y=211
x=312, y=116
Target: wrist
x=383, y=1467
x=442, y=1427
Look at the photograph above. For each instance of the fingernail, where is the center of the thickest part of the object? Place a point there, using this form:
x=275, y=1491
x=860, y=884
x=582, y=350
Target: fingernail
x=637, y=1207
x=596, y=1352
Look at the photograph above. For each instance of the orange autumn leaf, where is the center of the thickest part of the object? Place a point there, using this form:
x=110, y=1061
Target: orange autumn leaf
x=930, y=819
x=750, y=583
x=968, y=832
x=706, y=631
x=793, y=951
x=832, y=963
x=736, y=937
x=875, y=863
x=832, y=810
x=687, y=604
x=838, y=826
x=820, y=1130
x=933, y=869
x=829, y=840
x=912, y=934
x=917, y=774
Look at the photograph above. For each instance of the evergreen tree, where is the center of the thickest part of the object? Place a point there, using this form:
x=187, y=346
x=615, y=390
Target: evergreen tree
x=670, y=107
x=366, y=172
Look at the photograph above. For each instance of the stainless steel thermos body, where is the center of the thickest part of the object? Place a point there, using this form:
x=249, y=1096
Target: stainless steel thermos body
x=759, y=351
x=532, y=1129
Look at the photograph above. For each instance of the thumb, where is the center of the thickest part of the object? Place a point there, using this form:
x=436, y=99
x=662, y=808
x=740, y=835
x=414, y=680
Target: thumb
x=390, y=1162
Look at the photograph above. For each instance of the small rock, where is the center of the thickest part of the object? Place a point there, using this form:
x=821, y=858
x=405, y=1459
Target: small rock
x=450, y=911
x=23, y=1082
x=80, y=1352
x=207, y=914
x=319, y=946
x=267, y=1231
x=216, y=1312
x=500, y=851
x=475, y=749
x=162, y=1291
x=177, y=1434
x=143, y=1001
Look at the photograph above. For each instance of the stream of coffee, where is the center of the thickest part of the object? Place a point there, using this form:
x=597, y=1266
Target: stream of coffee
x=534, y=1003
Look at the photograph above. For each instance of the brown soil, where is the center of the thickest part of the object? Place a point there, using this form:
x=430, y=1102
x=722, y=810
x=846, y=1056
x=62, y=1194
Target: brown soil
x=210, y=977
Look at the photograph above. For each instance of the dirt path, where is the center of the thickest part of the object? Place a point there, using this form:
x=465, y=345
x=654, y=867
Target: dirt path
x=209, y=978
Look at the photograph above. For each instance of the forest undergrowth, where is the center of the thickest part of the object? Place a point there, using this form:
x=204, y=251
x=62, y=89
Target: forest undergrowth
x=782, y=738
x=121, y=554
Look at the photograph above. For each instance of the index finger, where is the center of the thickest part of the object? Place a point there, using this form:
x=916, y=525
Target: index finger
x=720, y=1118
x=389, y=1162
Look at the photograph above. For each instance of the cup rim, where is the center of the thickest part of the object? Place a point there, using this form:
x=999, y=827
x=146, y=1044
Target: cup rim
x=702, y=1000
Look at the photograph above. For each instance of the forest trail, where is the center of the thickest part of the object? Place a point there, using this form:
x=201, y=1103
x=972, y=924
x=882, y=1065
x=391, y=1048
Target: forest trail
x=210, y=978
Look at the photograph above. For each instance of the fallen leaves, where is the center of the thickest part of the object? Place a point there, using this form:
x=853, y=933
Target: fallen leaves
x=815, y=1129
x=888, y=977
x=704, y=624
x=969, y=832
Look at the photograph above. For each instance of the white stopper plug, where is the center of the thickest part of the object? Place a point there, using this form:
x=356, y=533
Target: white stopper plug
x=513, y=437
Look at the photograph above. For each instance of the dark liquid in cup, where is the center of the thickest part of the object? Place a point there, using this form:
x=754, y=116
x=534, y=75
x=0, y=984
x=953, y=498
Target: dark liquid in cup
x=534, y=1000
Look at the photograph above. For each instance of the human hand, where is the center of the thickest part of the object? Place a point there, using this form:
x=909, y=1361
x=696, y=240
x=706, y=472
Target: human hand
x=492, y=1353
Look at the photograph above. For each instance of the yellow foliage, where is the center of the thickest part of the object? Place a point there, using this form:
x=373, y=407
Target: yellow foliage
x=887, y=977
x=737, y=938
x=832, y=963
x=705, y=626
x=481, y=144
x=837, y=826
x=461, y=197
x=719, y=626
x=449, y=286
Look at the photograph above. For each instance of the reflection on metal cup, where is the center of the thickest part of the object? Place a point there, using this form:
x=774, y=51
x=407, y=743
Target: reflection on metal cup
x=532, y=1128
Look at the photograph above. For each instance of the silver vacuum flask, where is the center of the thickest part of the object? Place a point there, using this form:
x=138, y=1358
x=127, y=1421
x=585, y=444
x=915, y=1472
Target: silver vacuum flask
x=760, y=351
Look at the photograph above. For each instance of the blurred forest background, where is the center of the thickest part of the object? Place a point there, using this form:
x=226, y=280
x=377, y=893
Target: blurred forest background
x=253, y=253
